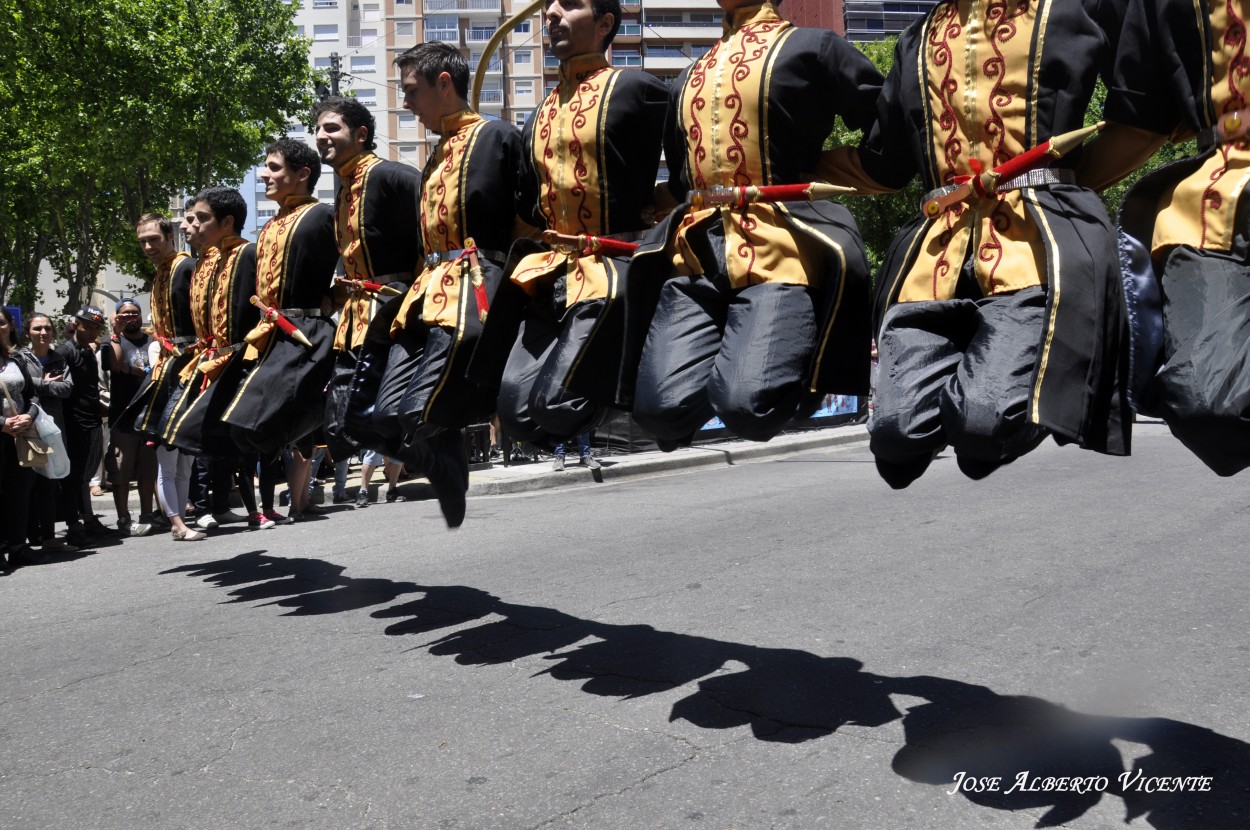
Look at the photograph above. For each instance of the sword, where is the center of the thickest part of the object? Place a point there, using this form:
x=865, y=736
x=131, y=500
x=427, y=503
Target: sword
x=985, y=184
x=272, y=315
x=588, y=245
x=740, y=197
x=476, y=279
x=370, y=287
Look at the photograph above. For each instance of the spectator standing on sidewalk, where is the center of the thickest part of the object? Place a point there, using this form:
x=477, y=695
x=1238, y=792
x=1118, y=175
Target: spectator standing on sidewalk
x=83, y=433
x=125, y=363
x=583, y=445
x=49, y=373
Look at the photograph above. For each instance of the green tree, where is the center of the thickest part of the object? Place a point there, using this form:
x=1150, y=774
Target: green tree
x=119, y=104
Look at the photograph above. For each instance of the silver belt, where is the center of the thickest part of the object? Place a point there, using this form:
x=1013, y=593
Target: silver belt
x=435, y=257
x=1042, y=177
x=291, y=313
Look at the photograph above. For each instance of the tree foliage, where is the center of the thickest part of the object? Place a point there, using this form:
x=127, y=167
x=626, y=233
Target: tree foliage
x=113, y=106
x=879, y=217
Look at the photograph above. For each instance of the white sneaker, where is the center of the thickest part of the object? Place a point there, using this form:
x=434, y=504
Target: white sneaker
x=230, y=518
x=205, y=522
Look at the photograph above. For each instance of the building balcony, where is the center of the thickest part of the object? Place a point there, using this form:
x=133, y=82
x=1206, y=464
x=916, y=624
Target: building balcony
x=492, y=96
x=665, y=63
x=325, y=4
x=451, y=36
x=672, y=32
x=469, y=7
x=478, y=35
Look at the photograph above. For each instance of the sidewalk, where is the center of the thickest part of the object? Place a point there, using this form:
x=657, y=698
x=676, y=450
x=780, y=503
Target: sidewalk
x=495, y=479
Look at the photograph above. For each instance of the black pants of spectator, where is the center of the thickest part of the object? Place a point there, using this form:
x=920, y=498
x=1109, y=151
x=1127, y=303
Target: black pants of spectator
x=742, y=356
x=1203, y=390
x=15, y=484
x=533, y=403
x=956, y=373
x=45, y=501
x=201, y=485
x=224, y=472
x=85, y=448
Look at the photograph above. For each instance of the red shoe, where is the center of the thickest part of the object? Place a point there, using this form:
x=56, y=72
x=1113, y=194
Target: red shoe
x=277, y=518
x=259, y=521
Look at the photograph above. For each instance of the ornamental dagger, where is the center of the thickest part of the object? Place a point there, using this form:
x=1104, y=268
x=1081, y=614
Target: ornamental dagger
x=370, y=287
x=986, y=184
x=740, y=197
x=588, y=245
x=272, y=316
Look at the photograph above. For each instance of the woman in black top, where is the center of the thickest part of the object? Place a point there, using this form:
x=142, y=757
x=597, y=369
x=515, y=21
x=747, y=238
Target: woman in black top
x=49, y=373
x=15, y=480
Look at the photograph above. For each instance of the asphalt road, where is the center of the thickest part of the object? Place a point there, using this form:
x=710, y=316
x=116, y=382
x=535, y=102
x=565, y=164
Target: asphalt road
x=781, y=644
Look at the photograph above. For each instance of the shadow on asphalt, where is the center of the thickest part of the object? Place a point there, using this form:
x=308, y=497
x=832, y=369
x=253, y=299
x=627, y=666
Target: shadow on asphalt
x=794, y=696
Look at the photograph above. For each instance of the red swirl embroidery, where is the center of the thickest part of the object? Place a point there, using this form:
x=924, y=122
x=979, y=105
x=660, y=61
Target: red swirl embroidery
x=1001, y=23
x=942, y=268
x=945, y=28
x=580, y=195
x=992, y=249
x=694, y=132
x=753, y=42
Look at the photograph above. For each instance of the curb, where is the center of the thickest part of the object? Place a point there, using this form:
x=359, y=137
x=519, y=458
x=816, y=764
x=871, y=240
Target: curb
x=687, y=458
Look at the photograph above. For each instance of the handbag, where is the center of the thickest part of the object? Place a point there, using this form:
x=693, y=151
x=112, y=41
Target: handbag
x=57, y=466
x=32, y=451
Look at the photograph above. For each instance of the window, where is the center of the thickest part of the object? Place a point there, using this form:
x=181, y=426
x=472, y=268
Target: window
x=326, y=31
x=480, y=34
x=522, y=57
x=520, y=117
x=630, y=28
x=404, y=29
x=363, y=64
x=664, y=19
x=403, y=2
x=704, y=19
x=626, y=57
x=368, y=34
x=367, y=96
x=522, y=28
x=523, y=87
x=321, y=63
x=407, y=121
x=444, y=27
x=406, y=149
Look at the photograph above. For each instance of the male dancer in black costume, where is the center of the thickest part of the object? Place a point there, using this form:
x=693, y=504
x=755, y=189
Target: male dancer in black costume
x=221, y=290
x=375, y=222
x=999, y=311
x=766, y=303
x=591, y=153
x=281, y=399
x=467, y=222
x=1188, y=225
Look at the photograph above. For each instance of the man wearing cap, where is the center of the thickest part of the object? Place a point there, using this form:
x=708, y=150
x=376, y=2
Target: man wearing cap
x=84, y=440
x=125, y=363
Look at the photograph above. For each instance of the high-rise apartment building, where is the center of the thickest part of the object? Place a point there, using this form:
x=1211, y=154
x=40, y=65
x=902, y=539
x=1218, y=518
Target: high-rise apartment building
x=877, y=19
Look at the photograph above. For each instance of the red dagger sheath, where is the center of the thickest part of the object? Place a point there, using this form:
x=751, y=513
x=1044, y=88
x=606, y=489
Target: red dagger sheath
x=985, y=184
x=740, y=197
x=272, y=315
x=588, y=245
